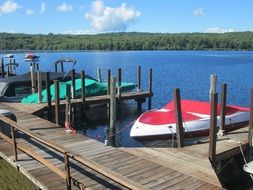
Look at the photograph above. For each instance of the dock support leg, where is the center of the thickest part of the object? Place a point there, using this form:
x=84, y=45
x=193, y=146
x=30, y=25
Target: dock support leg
x=49, y=105
x=250, y=135
x=113, y=104
x=222, y=131
x=179, y=122
x=83, y=107
x=212, y=131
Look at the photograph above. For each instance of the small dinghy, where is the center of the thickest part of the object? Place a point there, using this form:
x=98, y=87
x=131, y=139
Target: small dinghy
x=161, y=124
x=31, y=57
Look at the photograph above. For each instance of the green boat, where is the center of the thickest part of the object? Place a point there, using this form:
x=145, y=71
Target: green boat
x=92, y=88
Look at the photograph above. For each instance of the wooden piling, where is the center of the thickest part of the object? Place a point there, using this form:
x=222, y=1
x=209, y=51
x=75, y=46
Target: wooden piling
x=32, y=78
x=108, y=81
x=139, y=102
x=112, y=111
x=223, y=109
x=37, y=67
x=73, y=78
x=62, y=70
x=213, y=82
x=212, y=130
x=2, y=67
x=99, y=75
x=67, y=171
x=49, y=103
x=119, y=82
x=14, y=143
x=68, y=106
x=108, y=91
x=150, y=89
x=179, y=122
x=250, y=133
x=57, y=102
x=83, y=107
x=139, y=78
x=73, y=109
x=39, y=79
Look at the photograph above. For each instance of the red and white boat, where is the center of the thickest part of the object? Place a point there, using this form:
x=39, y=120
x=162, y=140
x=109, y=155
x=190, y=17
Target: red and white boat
x=161, y=124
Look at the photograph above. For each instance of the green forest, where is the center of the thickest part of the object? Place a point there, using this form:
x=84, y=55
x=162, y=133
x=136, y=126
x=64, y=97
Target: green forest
x=128, y=41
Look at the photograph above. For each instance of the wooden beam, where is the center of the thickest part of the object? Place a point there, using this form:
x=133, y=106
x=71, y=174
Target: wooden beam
x=179, y=122
x=2, y=67
x=32, y=78
x=212, y=130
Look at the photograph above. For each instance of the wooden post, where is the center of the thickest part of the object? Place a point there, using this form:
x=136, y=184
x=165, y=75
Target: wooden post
x=139, y=103
x=119, y=82
x=212, y=130
x=55, y=68
x=108, y=91
x=213, y=82
x=73, y=109
x=32, y=78
x=57, y=102
x=179, y=122
x=250, y=135
x=108, y=81
x=2, y=67
x=83, y=107
x=37, y=67
x=39, y=79
x=14, y=143
x=150, y=89
x=49, y=105
x=68, y=106
x=223, y=109
x=67, y=171
x=99, y=75
x=73, y=77
x=139, y=78
x=112, y=111
x=62, y=70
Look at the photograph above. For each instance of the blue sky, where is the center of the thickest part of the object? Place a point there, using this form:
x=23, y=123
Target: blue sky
x=99, y=16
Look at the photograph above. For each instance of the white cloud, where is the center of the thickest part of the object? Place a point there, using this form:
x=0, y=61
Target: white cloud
x=29, y=12
x=9, y=7
x=218, y=30
x=199, y=12
x=111, y=19
x=42, y=7
x=64, y=7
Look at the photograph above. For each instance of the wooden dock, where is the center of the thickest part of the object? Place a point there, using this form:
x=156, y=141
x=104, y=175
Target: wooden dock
x=105, y=167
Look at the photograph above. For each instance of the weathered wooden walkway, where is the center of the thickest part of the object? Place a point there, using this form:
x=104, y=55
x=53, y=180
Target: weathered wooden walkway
x=143, y=168
x=168, y=168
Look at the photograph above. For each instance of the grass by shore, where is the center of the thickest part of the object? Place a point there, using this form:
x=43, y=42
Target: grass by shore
x=11, y=179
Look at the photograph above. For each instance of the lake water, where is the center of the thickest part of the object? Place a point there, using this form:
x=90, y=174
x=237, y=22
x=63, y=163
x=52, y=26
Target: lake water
x=188, y=70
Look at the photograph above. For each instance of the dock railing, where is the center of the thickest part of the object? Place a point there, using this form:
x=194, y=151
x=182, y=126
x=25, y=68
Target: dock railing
x=126, y=182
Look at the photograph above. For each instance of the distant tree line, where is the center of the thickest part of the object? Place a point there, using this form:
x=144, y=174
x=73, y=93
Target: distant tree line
x=128, y=41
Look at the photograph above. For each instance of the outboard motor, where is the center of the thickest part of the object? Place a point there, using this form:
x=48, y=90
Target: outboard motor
x=4, y=128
